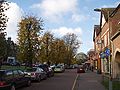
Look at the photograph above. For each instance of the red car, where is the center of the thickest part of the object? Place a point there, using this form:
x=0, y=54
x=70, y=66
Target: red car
x=80, y=70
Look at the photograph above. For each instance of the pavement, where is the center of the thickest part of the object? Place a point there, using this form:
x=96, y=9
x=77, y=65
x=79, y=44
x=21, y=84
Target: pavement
x=89, y=81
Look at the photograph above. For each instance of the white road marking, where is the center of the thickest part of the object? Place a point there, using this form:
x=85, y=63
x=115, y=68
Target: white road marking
x=75, y=82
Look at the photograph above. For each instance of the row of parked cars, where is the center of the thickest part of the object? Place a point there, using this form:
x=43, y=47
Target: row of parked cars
x=12, y=79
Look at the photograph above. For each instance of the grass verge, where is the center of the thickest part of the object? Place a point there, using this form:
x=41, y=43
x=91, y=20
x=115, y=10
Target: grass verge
x=115, y=83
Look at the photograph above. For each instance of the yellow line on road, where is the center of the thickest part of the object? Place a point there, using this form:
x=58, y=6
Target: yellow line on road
x=75, y=82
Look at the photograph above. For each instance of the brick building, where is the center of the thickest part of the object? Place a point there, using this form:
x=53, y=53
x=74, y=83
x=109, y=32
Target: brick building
x=107, y=41
x=97, y=47
x=115, y=40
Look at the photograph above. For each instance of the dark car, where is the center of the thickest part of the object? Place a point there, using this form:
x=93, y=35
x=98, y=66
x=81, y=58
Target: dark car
x=47, y=69
x=12, y=79
x=36, y=73
x=80, y=70
x=11, y=63
x=15, y=64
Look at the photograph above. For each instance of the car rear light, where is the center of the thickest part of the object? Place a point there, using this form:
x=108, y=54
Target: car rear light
x=32, y=74
x=2, y=83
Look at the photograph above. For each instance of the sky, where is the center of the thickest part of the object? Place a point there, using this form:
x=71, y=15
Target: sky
x=60, y=17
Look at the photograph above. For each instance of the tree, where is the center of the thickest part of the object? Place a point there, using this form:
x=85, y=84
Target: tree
x=28, y=38
x=11, y=48
x=4, y=5
x=3, y=47
x=59, y=51
x=46, y=47
x=81, y=58
x=72, y=44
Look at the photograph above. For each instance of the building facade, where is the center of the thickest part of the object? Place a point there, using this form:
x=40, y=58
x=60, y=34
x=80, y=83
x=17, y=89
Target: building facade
x=97, y=48
x=115, y=39
x=107, y=42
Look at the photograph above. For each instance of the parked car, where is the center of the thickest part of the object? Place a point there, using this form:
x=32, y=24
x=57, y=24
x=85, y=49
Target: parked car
x=15, y=63
x=47, y=69
x=51, y=72
x=36, y=73
x=62, y=66
x=80, y=70
x=12, y=79
x=11, y=63
x=58, y=69
x=69, y=67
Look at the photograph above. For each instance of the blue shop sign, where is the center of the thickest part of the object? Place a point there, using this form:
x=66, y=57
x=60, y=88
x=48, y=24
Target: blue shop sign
x=107, y=52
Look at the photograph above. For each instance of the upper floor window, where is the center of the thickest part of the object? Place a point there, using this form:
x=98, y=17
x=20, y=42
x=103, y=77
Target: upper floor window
x=103, y=20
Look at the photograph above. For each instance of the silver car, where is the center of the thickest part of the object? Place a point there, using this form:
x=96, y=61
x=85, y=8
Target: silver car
x=36, y=73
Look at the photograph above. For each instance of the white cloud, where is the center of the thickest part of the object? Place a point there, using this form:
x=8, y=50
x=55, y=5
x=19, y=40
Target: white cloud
x=64, y=30
x=78, y=18
x=55, y=10
x=111, y=6
x=14, y=14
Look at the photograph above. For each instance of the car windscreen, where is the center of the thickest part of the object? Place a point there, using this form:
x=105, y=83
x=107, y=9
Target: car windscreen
x=58, y=66
x=31, y=70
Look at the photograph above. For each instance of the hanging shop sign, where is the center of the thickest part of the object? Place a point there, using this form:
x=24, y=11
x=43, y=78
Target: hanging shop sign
x=107, y=52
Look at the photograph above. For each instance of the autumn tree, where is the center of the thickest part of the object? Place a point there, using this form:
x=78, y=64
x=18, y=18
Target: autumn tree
x=4, y=5
x=59, y=48
x=72, y=44
x=46, y=47
x=28, y=38
x=81, y=58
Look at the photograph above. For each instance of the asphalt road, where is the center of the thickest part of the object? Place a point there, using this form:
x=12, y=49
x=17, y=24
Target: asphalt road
x=61, y=81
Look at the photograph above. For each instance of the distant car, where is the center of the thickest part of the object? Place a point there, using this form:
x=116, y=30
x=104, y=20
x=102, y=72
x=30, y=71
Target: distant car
x=12, y=79
x=80, y=70
x=58, y=69
x=11, y=63
x=36, y=73
x=15, y=64
x=62, y=66
x=69, y=66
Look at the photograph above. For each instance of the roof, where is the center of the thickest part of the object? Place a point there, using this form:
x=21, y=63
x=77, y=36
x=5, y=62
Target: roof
x=107, y=12
x=113, y=13
x=96, y=31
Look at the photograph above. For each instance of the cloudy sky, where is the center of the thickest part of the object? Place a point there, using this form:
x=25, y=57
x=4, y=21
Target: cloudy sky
x=60, y=17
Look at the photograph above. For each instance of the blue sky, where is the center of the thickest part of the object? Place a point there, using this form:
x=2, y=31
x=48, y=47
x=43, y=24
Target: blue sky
x=60, y=17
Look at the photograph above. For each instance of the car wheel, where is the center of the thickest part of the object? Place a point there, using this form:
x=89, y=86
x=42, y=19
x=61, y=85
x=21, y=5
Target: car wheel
x=45, y=77
x=13, y=87
x=29, y=83
x=39, y=79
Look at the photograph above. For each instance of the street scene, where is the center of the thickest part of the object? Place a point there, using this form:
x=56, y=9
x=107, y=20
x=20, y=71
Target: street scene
x=70, y=80
x=59, y=45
